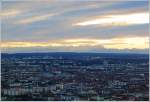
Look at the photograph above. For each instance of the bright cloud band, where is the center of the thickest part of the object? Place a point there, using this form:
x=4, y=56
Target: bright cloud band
x=117, y=20
x=115, y=43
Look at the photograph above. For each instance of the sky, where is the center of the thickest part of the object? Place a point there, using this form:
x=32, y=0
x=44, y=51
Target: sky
x=115, y=26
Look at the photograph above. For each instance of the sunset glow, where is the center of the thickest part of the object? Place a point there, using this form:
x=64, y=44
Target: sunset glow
x=115, y=43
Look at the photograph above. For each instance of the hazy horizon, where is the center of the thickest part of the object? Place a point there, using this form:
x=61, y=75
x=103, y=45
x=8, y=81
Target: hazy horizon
x=76, y=52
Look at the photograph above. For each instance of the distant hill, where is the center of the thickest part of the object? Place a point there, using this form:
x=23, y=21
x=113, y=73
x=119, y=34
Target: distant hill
x=74, y=54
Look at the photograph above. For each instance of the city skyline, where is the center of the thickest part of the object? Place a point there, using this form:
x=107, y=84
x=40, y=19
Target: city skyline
x=83, y=26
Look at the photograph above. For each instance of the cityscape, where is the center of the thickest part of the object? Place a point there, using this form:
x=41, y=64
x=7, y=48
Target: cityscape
x=75, y=77
x=74, y=50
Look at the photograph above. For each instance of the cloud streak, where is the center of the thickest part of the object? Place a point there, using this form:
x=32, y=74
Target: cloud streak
x=117, y=20
x=35, y=19
x=115, y=43
x=9, y=13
